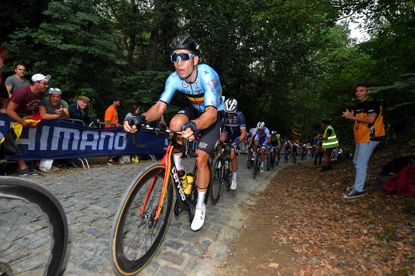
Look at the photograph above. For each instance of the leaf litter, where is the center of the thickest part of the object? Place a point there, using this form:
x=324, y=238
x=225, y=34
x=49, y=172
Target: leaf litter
x=304, y=226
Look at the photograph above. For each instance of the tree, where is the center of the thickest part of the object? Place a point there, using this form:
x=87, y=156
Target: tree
x=75, y=46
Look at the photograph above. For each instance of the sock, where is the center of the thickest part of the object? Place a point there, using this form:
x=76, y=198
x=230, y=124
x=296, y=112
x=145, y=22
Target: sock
x=234, y=175
x=178, y=162
x=200, y=199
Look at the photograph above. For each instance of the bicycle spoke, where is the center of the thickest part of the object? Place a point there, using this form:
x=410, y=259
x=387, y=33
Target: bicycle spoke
x=136, y=234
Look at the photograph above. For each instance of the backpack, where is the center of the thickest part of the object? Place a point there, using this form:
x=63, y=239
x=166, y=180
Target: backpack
x=393, y=167
x=403, y=182
x=377, y=129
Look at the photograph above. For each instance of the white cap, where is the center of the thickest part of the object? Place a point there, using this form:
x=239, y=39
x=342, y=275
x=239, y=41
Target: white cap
x=40, y=77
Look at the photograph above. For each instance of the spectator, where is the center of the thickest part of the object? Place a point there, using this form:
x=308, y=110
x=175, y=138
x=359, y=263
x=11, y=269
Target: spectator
x=15, y=81
x=134, y=111
x=53, y=107
x=368, y=127
x=79, y=110
x=329, y=144
x=4, y=96
x=111, y=120
x=26, y=100
x=111, y=114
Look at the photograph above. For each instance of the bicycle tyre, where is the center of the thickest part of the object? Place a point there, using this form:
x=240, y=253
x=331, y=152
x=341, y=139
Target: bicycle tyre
x=256, y=165
x=28, y=205
x=148, y=234
x=249, y=161
x=268, y=161
x=227, y=177
x=218, y=167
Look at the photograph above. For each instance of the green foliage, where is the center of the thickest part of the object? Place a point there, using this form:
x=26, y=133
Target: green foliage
x=287, y=62
x=73, y=45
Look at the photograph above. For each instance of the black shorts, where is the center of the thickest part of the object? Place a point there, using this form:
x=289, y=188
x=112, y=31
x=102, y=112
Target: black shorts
x=208, y=136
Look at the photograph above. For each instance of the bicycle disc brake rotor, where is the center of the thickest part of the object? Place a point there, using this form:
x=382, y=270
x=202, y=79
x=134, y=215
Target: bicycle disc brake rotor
x=152, y=222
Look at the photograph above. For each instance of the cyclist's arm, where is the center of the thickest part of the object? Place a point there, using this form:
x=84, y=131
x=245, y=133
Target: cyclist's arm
x=268, y=136
x=242, y=126
x=243, y=134
x=207, y=119
x=156, y=111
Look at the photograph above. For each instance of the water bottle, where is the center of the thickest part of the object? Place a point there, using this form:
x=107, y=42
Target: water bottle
x=183, y=178
x=189, y=183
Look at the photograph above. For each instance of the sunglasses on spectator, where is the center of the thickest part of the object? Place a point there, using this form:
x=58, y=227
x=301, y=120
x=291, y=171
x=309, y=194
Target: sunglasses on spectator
x=180, y=57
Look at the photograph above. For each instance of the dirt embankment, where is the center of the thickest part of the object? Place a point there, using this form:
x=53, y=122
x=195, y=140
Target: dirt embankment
x=302, y=225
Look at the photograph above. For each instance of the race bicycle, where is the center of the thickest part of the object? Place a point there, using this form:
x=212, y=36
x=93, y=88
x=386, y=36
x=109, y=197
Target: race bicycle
x=33, y=229
x=143, y=216
x=221, y=166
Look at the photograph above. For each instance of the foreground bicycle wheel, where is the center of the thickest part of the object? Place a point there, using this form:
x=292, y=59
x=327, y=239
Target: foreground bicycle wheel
x=218, y=168
x=136, y=235
x=33, y=230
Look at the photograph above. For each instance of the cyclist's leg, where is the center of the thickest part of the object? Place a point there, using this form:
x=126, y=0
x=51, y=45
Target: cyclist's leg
x=234, y=161
x=262, y=157
x=204, y=149
x=176, y=123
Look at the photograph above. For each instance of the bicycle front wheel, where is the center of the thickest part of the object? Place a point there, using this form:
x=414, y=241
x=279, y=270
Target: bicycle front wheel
x=137, y=233
x=33, y=229
x=218, y=168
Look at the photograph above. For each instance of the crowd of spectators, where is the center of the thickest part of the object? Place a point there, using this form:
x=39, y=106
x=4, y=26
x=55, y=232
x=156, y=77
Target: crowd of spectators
x=20, y=96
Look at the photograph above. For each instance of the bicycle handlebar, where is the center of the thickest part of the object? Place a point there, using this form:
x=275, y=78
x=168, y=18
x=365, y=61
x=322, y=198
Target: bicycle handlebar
x=187, y=148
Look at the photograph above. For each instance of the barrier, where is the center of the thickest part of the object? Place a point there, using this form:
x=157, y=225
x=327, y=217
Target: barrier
x=62, y=139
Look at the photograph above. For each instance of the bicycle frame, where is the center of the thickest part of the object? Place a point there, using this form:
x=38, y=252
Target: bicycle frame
x=171, y=170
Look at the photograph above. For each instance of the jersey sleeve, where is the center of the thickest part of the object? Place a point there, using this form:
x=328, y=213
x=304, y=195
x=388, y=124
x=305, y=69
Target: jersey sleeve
x=267, y=133
x=213, y=89
x=169, y=90
x=242, y=121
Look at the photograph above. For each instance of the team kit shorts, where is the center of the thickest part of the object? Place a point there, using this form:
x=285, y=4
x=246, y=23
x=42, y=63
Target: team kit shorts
x=208, y=136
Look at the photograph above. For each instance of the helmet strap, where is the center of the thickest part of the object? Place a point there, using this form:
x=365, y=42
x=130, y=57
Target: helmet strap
x=188, y=76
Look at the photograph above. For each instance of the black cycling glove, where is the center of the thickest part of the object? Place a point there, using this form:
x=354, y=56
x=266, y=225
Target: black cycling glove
x=190, y=125
x=137, y=121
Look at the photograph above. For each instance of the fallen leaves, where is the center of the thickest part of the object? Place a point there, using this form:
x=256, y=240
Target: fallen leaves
x=328, y=235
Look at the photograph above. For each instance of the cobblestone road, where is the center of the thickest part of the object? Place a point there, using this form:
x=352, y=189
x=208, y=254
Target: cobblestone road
x=91, y=197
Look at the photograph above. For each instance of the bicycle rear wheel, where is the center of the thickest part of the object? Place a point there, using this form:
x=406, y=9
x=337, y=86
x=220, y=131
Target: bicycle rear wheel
x=268, y=157
x=256, y=165
x=136, y=234
x=33, y=229
x=218, y=168
x=249, y=161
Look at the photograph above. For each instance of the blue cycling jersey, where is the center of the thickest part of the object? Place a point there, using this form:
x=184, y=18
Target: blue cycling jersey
x=233, y=123
x=205, y=91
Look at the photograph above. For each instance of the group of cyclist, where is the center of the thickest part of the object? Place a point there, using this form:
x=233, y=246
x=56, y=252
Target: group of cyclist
x=207, y=117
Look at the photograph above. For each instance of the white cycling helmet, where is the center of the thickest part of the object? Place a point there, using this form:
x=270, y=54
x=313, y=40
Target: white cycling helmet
x=260, y=125
x=230, y=105
x=273, y=132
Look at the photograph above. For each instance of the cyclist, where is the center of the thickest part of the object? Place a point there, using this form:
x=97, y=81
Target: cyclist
x=275, y=138
x=262, y=138
x=235, y=127
x=202, y=87
x=275, y=142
